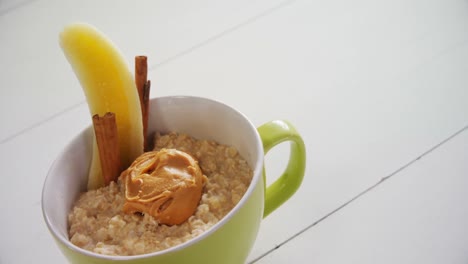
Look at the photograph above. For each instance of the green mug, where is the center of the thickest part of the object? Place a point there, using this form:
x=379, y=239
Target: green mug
x=230, y=240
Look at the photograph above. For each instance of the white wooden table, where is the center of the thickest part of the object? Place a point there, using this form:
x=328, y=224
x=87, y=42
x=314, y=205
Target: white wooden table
x=378, y=89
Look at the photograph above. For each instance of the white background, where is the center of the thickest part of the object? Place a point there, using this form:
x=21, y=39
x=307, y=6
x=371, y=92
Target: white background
x=378, y=90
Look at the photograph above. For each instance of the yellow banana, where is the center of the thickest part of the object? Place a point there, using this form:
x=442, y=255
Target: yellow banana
x=109, y=86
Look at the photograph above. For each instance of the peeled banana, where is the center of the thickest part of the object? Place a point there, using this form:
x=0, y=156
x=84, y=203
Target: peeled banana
x=108, y=86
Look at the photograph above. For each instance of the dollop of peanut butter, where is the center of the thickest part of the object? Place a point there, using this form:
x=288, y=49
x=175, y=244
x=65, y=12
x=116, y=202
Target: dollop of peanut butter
x=166, y=184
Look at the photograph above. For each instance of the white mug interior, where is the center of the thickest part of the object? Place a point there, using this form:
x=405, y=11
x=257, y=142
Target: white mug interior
x=199, y=117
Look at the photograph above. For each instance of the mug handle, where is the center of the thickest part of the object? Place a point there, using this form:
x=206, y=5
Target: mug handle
x=272, y=134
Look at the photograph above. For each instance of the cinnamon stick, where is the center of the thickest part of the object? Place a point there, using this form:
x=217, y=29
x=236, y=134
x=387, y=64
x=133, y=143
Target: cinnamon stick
x=143, y=87
x=145, y=113
x=107, y=139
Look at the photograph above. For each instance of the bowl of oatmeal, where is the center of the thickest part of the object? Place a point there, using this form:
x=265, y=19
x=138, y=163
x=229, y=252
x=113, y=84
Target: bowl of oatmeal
x=92, y=227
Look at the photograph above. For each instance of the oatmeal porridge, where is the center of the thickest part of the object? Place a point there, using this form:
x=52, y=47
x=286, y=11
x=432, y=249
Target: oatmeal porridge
x=97, y=222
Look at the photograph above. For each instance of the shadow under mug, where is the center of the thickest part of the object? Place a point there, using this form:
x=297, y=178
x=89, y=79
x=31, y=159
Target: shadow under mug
x=230, y=240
